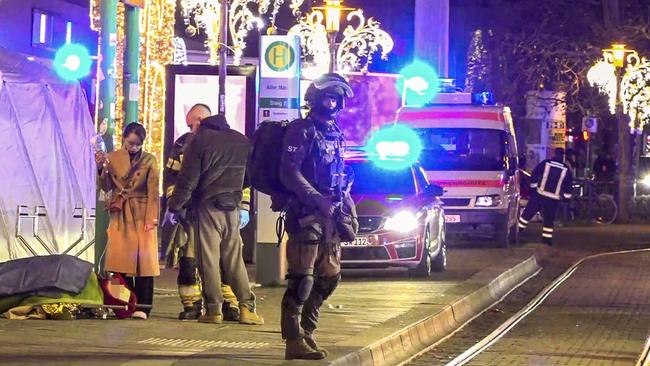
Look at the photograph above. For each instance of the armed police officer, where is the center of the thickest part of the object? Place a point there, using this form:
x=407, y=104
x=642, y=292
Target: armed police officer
x=210, y=183
x=551, y=182
x=320, y=213
x=179, y=237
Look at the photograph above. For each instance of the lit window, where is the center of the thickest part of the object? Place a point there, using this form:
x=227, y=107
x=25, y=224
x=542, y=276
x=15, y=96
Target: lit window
x=41, y=29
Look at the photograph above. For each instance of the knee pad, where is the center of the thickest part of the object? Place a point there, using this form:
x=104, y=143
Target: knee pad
x=187, y=271
x=299, y=287
x=325, y=286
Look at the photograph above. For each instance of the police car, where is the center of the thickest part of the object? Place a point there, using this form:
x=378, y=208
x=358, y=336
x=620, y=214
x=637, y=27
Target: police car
x=469, y=148
x=401, y=220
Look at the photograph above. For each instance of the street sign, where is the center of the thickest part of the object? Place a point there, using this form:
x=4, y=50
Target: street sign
x=279, y=97
x=590, y=124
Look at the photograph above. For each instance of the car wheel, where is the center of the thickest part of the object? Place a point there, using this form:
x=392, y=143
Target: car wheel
x=439, y=263
x=424, y=267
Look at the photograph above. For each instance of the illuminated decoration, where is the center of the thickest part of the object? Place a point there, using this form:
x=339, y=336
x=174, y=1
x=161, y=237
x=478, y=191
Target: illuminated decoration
x=242, y=20
x=394, y=147
x=419, y=84
x=295, y=7
x=354, y=53
x=72, y=62
x=314, y=45
x=180, y=51
x=633, y=92
x=157, y=50
x=202, y=14
x=635, y=88
x=477, y=64
x=603, y=76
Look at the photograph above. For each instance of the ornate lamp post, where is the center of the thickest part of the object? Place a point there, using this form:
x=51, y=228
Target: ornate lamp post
x=333, y=9
x=621, y=58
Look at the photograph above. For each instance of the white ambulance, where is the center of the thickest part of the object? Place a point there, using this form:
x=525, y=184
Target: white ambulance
x=469, y=148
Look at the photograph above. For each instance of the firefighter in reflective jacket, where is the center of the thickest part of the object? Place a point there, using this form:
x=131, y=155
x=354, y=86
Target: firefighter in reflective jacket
x=551, y=182
x=312, y=170
x=179, y=238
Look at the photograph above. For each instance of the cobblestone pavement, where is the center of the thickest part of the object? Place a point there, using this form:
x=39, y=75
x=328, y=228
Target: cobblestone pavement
x=364, y=302
x=600, y=316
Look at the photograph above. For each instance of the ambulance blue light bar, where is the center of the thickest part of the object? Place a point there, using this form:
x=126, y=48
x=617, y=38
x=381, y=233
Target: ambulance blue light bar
x=483, y=98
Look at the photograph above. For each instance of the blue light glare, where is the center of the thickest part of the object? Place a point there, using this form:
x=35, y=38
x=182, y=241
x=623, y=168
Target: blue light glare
x=72, y=62
x=419, y=83
x=394, y=147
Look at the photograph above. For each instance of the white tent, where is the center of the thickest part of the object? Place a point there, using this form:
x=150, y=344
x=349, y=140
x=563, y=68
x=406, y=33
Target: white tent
x=46, y=159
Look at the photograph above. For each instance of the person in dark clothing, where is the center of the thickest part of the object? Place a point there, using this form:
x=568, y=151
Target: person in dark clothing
x=604, y=167
x=210, y=183
x=312, y=170
x=552, y=181
x=179, y=238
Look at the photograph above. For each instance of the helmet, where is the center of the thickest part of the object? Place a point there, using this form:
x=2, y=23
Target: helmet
x=328, y=85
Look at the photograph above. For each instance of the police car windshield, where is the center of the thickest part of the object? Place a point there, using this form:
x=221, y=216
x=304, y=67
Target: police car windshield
x=473, y=149
x=369, y=179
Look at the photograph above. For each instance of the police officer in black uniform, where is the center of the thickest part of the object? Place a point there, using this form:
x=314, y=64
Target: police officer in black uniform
x=551, y=182
x=320, y=213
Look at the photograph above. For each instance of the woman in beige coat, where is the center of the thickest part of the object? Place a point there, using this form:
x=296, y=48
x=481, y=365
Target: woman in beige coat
x=130, y=176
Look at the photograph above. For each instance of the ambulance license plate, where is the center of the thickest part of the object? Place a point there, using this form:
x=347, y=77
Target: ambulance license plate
x=361, y=241
x=452, y=218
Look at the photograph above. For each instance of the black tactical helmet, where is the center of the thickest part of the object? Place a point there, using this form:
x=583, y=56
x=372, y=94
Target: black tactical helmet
x=328, y=85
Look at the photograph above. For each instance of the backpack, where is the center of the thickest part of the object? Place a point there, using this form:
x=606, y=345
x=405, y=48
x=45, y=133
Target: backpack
x=263, y=167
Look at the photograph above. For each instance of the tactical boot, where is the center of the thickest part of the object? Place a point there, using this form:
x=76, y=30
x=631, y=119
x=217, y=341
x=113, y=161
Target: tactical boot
x=248, y=316
x=298, y=349
x=211, y=319
x=230, y=312
x=309, y=339
x=191, y=312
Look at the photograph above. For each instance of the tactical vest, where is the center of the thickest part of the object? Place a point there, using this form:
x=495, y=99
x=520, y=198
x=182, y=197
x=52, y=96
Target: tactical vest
x=327, y=156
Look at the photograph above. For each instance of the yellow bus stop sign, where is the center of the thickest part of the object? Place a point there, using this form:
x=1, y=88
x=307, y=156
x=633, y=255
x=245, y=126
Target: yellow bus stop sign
x=279, y=56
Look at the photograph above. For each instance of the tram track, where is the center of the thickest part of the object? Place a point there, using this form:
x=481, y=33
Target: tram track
x=543, y=287
x=529, y=308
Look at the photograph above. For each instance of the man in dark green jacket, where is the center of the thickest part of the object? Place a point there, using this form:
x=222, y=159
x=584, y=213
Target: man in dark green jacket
x=211, y=181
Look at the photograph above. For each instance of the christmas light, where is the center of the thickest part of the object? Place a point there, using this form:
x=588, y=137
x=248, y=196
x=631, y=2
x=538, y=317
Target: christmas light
x=603, y=76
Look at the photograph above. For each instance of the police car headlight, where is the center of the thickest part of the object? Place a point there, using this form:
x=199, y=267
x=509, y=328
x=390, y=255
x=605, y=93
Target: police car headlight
x=488, y=201
x=646, y=181
x=403, y=222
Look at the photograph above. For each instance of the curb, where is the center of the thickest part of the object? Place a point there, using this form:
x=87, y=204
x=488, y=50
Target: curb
x=408, y=341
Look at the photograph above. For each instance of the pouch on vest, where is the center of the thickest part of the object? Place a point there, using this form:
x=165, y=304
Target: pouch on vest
x=311, y=231
x=345, y=225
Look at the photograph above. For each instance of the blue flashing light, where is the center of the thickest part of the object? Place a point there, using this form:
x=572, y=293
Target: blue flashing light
x=483, y=98
x=72, y=62
x=419, y=83
x=394, y=147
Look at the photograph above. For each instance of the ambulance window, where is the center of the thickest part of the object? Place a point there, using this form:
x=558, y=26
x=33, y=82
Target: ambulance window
x=472, y=149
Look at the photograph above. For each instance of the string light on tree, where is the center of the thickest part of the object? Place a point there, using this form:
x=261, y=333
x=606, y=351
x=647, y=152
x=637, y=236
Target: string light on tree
x=635, y=88
x=603, y=76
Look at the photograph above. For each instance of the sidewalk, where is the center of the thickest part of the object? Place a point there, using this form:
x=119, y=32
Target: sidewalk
x=374, y=318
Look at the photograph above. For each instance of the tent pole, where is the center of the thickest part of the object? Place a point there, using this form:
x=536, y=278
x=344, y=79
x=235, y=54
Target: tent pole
x=107, y=84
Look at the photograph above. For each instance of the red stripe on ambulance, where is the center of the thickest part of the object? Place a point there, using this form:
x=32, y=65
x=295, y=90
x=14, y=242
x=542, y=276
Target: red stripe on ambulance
x=427, y=115
x=470, y=183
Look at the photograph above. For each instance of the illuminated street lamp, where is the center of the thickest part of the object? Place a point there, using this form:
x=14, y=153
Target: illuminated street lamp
x=618, y=59
x=333, y=10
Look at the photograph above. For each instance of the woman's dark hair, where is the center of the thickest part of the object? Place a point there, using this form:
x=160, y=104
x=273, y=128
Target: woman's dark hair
x=136, y=128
